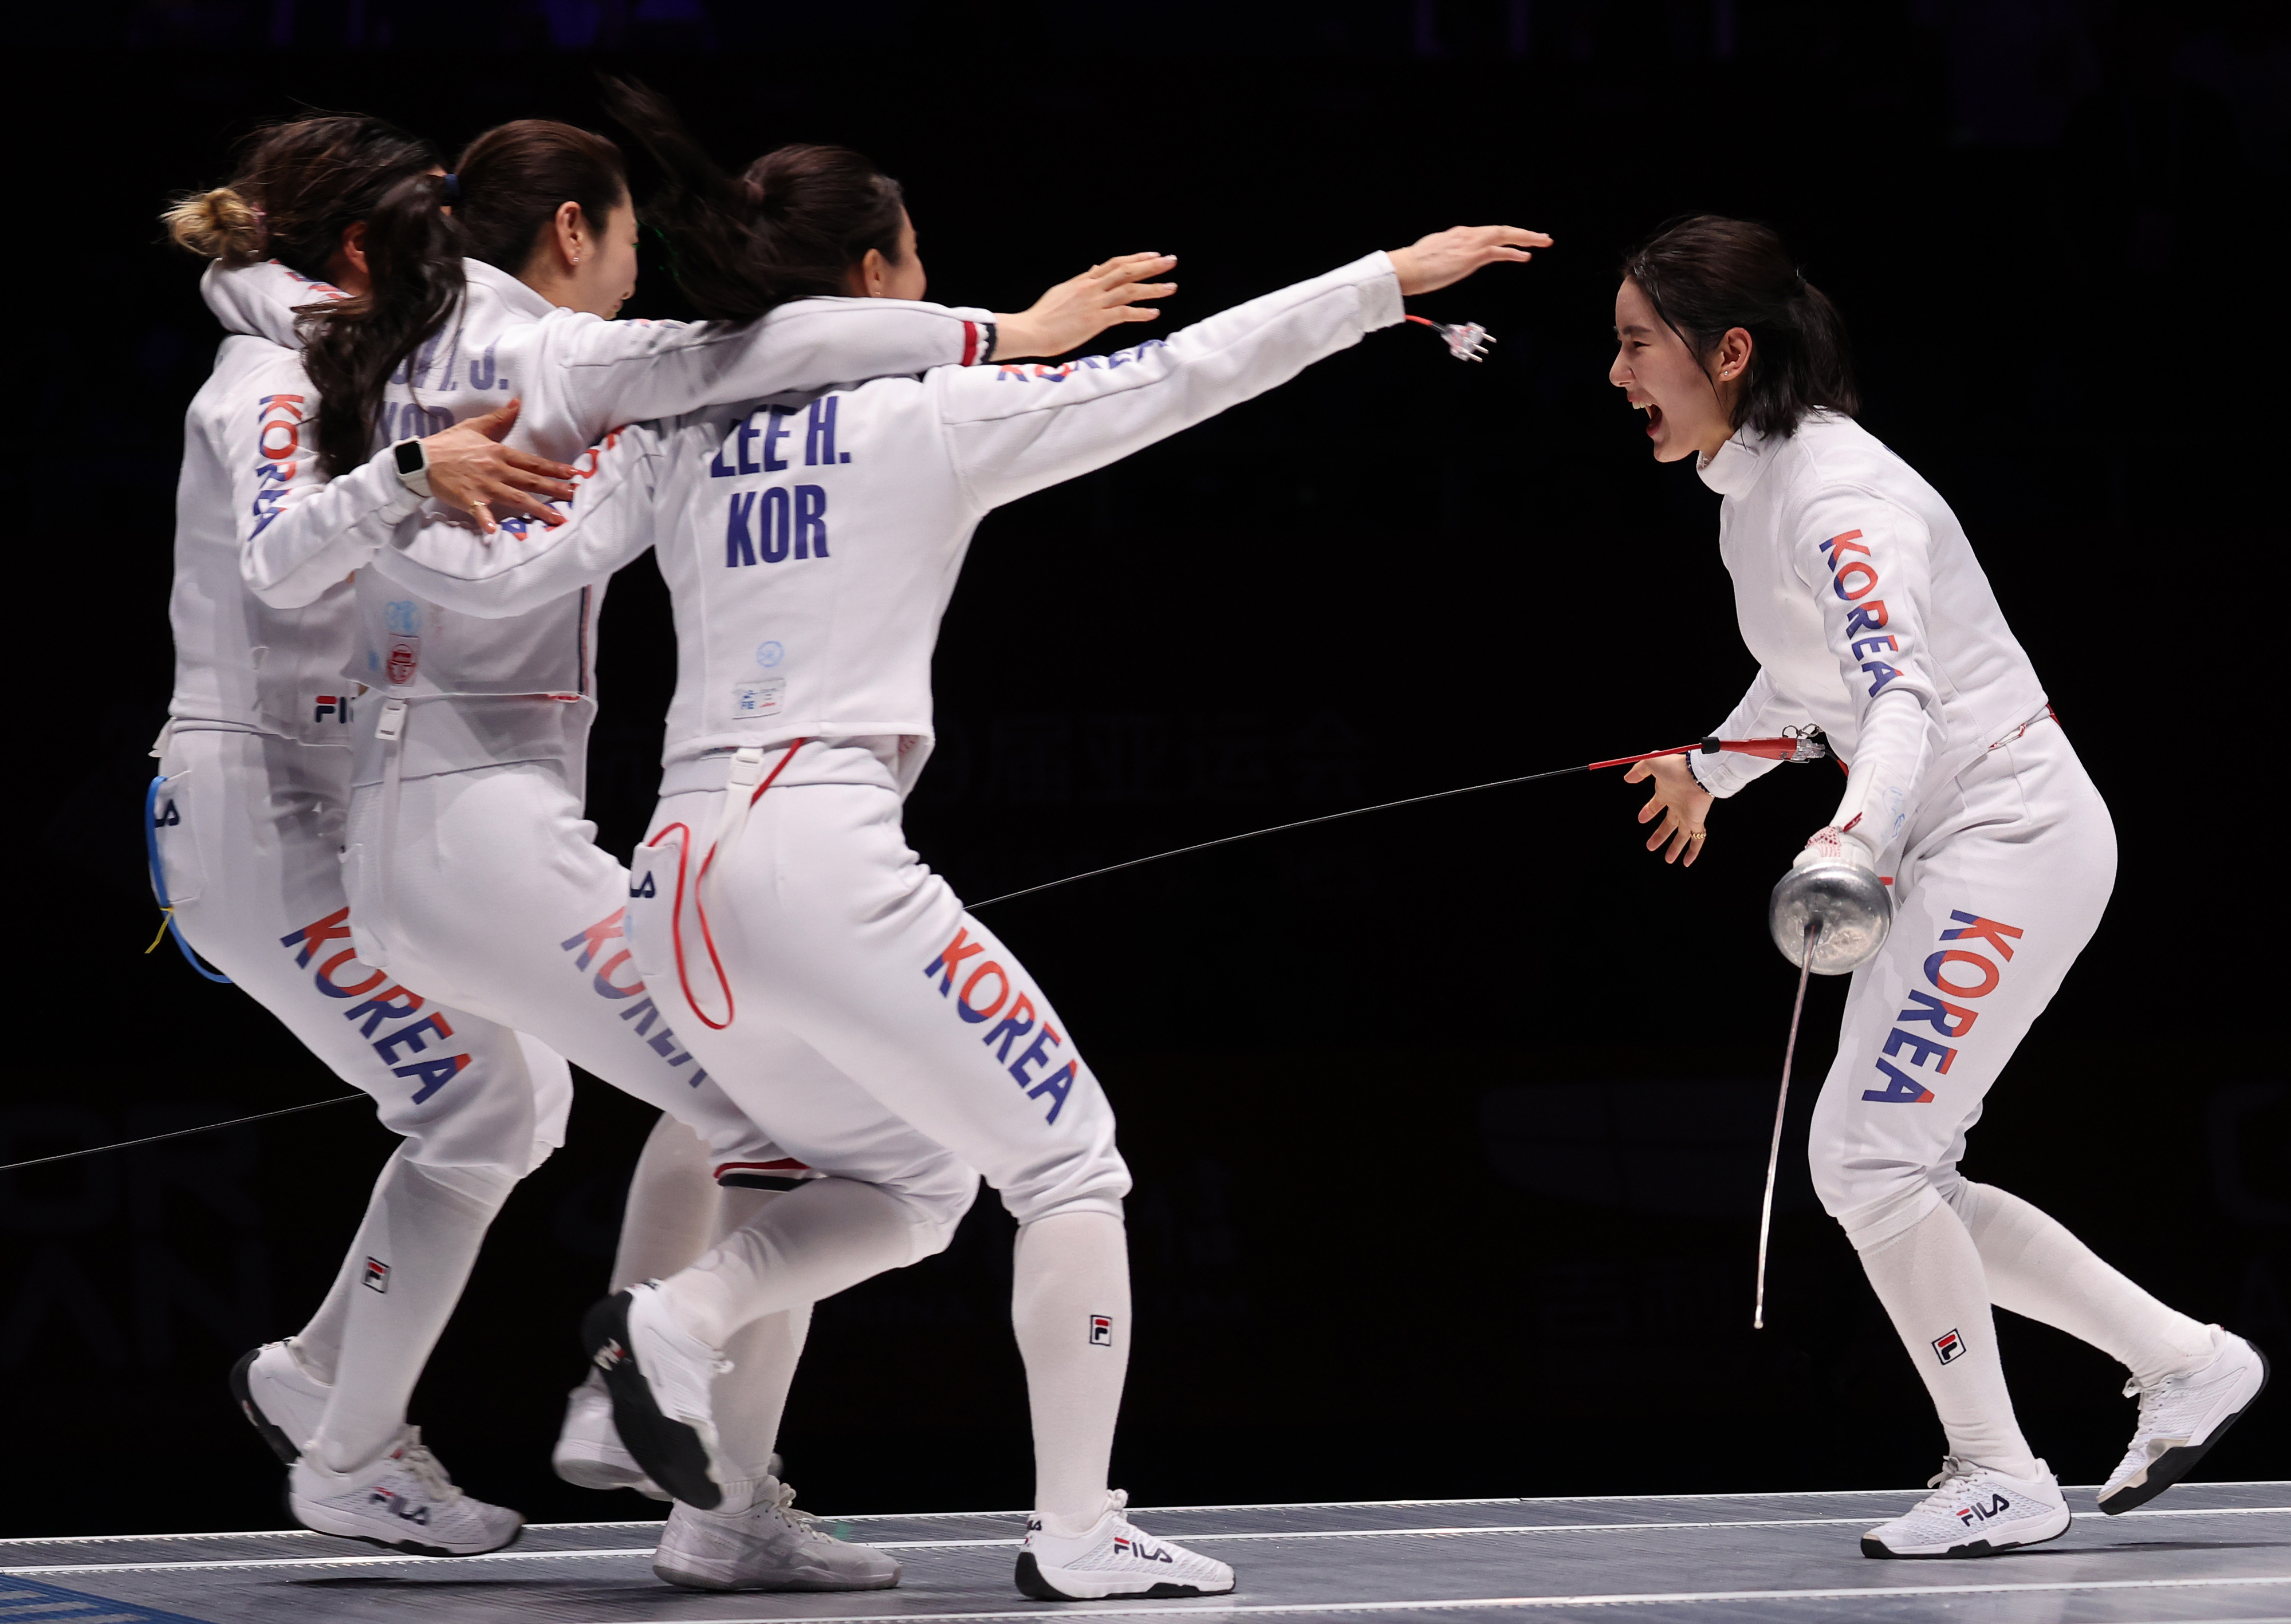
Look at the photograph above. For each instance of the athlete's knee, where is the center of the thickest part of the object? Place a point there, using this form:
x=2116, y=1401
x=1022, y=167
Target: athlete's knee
x=936, y=1204
x=1875, y=1198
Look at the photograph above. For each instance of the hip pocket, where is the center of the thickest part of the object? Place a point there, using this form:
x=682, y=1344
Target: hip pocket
x=652, y=908
x=178, y=871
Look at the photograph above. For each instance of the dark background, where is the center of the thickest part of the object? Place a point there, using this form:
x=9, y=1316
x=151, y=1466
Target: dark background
x=1447, y=1124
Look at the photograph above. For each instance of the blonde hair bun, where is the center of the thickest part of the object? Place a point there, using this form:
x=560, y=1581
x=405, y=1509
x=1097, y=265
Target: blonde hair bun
x=216, y=225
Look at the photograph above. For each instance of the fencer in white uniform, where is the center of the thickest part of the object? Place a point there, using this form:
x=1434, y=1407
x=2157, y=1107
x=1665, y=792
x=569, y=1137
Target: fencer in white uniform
x=834, y=985
x=248, y=814
x=1870, y=617
x=470, y=864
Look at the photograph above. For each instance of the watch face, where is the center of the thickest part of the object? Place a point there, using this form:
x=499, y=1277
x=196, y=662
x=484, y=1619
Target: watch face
x=410, y=460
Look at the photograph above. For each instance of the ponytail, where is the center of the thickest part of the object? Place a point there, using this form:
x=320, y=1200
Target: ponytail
x=791, y=228
x=1707, y=274
x=504, y=193
x=351, y=346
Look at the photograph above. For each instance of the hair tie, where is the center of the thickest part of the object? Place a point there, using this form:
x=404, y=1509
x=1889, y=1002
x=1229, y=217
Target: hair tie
x=449, y=190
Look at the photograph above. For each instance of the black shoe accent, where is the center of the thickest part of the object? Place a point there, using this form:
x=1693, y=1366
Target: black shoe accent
x=1031, y=1583
x=1033, y=1587
x=281, y=1445
x=1977, y=1548
x=2174, y=1464
x=670, y=1452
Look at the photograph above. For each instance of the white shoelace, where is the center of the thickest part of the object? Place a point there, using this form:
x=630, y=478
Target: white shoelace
x=1953, y=1471
x=428, y=1470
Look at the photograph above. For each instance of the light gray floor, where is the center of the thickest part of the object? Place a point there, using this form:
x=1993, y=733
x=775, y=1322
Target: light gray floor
x=2204, y=1552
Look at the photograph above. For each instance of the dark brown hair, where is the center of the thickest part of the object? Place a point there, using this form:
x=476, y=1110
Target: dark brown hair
x=504, y=195
x=1707, y=274
x=791, y=227
x=296, y=187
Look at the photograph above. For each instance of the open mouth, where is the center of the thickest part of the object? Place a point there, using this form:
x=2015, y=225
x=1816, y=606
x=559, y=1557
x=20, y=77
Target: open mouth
x=1653, y=416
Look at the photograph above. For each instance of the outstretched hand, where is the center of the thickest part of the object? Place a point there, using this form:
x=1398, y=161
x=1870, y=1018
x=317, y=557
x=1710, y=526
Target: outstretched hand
x=1448, y=257
x=471, y=469
x=1683, y=805
x=1081, y=307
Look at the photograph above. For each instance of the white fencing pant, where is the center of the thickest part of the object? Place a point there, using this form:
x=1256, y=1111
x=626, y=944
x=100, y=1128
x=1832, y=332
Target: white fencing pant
x=249, y=828
x=2001, y=882
x=876, y=1025
x=491, y=893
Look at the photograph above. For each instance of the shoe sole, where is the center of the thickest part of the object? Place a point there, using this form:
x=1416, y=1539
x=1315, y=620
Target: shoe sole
x=688, y=1579
x=1035, y=1588
x=408, y=1548
x=593, y=1472
x=671, y=1453
x=272, y=1434
x=2174, y=1464
x=1972, y=1548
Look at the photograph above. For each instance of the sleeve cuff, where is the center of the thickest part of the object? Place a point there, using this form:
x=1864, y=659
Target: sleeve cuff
x=1380, y=304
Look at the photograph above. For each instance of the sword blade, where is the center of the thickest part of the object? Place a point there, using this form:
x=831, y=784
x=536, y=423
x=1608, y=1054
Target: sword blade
x=1782, y=1105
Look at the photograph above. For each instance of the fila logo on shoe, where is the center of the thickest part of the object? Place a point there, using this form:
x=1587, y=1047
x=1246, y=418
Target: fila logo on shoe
x=1976, y=1514
x=419, y=1515
x=1144, y=1550
x=1949, y=1346
x=1955, y=973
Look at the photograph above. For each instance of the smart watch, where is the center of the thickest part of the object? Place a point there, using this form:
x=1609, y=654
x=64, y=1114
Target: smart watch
x=413, y=460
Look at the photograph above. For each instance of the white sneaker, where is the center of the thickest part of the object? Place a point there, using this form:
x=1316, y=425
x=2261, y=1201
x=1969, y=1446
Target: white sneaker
x=2181, y=1417
x=283, y=1400
x=771, y=1546
x=1115, y=1558
x=659, y=1379
x=1974, y=1512
x=402, y=1503
x=589, y=1453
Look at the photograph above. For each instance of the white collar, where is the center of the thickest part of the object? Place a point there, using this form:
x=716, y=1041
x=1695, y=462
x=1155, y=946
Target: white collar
x=520, y=299
x=1739, y=463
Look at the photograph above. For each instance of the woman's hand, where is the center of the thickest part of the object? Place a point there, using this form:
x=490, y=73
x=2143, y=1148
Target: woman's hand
x=1081, y=307
x=1682, y=804
x=469, y=469
x=1447, y=257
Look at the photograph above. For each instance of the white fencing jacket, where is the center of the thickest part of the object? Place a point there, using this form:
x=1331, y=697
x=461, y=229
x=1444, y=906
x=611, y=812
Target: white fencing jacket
x=1856, y=589
x=576, y=376
x=811, y=542
x=239, y=662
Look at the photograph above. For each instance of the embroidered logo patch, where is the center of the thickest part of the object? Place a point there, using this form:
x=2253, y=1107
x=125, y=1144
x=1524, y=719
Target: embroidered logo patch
x=1101, y=1330
x=1949, y=1347
x=377, y=1275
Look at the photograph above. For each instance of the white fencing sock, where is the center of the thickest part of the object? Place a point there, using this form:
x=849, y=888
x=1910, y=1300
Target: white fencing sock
x=1930, y=1279
x=318, y=1345
x=422, y=1231
x=750, y=1398
x=2035, y=1267
x=670, y=1218
x=1070, y=1307
x=813, y=1242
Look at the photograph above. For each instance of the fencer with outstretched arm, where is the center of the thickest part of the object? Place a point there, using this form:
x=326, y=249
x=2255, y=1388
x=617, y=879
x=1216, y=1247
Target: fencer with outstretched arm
x=471, y=870
x=831, y=982
x=1870, y=616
